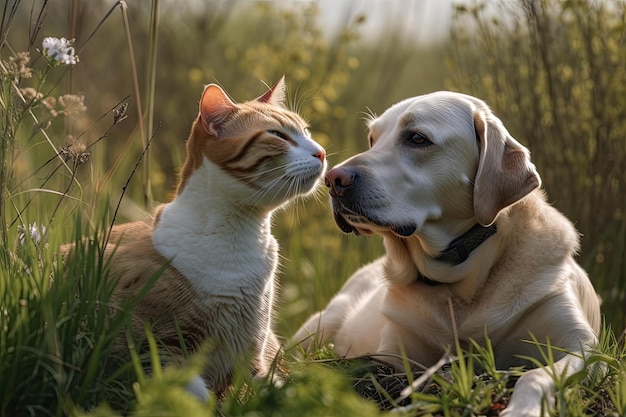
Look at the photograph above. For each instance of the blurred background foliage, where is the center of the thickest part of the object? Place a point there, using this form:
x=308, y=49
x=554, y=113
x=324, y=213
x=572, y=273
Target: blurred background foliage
x=553, y=71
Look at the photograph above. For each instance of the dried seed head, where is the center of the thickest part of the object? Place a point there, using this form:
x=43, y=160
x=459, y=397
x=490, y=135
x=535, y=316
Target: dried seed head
x=30, y=94
x=50, y=104
x=72, y=104
x=119, y=114
x=74, y=151
x=17, y=66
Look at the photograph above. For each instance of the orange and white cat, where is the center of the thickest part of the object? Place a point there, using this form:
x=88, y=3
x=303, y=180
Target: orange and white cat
x=243, y=162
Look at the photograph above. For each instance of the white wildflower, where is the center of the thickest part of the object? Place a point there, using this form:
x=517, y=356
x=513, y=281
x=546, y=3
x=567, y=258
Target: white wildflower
x=35, y=232
x=60, y=50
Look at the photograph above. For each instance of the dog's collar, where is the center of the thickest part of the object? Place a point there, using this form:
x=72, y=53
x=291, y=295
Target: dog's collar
x=460, y=248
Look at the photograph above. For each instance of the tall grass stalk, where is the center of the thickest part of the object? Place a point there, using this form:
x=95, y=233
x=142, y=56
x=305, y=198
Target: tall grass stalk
x=135, y=74
x=6, y=150
x=153, y=42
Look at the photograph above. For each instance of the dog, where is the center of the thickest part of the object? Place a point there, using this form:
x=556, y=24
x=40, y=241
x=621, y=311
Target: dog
x=472, y=248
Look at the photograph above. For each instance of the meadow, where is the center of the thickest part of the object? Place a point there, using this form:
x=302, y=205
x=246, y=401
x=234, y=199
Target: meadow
x=97, y=139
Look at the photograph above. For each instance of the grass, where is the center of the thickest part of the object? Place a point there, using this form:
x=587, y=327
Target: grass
x=75, y=176
x=57, y=330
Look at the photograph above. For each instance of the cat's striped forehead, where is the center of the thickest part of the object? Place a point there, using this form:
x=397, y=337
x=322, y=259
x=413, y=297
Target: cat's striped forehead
x=260, y=116
x=243, y=143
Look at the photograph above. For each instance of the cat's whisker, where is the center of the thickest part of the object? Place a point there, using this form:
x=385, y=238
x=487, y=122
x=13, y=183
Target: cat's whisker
x=260, y=195
x=258, y=174
x=320, y=195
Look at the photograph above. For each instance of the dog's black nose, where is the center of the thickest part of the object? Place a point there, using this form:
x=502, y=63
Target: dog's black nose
x=338, y=180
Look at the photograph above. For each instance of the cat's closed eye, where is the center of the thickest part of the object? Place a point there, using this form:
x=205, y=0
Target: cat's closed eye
x=278, y=133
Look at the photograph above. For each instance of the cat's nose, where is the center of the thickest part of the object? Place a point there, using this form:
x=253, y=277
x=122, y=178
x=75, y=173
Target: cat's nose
x=321, y=155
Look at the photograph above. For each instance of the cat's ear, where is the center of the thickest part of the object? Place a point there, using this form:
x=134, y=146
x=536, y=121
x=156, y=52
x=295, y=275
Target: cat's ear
x=215, y=107
x=276, y=94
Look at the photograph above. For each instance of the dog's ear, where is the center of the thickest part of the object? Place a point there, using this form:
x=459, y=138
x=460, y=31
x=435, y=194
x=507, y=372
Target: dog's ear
x=505, y=174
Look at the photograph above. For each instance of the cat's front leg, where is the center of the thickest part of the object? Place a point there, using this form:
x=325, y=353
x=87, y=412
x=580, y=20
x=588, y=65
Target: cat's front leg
x=269, y=360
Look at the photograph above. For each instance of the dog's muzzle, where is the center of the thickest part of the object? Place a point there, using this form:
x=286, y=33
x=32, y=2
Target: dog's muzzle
x=344, y=185
x=339, y=181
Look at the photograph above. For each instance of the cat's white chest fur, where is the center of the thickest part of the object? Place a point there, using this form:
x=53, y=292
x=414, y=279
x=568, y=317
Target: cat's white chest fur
x=229, y=257
x=223, y=252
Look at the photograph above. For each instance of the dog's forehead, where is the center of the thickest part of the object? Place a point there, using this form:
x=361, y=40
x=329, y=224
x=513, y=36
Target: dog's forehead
x=439, y=107
x=388, y=119
x=442, y=102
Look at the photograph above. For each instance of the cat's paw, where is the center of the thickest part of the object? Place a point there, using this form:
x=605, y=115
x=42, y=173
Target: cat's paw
x=274, y=379
x=198, y=388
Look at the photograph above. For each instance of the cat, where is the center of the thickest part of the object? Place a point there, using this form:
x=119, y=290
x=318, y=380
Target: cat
x=243, y=162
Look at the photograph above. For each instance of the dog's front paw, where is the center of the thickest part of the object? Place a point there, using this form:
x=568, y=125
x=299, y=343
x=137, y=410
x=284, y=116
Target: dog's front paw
x=533, y=395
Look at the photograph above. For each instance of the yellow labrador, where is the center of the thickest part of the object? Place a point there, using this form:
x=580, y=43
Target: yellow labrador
x=472, y=246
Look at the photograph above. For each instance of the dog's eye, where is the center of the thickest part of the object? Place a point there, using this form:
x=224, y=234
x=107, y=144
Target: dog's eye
x=278, y=133
x=417, y=139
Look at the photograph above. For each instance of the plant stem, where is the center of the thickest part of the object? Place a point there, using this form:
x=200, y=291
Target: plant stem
x=150, y=89
x=140, y=115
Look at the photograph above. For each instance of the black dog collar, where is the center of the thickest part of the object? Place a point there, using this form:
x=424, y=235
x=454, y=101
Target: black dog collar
x=460, y=248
